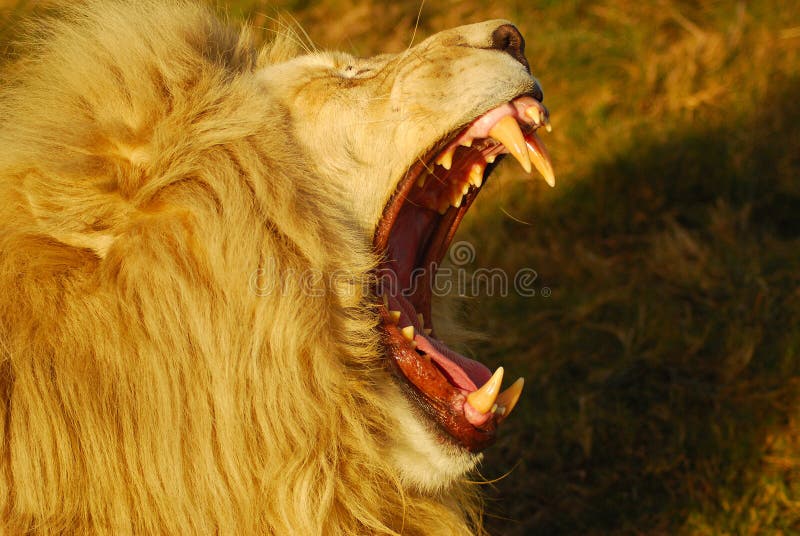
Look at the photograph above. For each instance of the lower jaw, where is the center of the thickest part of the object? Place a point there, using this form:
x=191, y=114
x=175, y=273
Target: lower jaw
x=441, y=401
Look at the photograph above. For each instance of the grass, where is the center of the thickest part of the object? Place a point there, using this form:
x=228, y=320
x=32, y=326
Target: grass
x=663, y=372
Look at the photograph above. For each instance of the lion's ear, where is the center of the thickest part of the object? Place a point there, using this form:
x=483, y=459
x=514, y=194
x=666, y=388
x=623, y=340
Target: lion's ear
x=286, y=45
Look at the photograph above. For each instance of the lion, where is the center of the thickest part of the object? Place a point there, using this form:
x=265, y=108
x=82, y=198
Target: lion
x=206, y=251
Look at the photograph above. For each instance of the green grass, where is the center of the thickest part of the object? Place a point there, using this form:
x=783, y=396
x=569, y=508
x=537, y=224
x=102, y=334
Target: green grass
x=664, y=368
x=663, y=373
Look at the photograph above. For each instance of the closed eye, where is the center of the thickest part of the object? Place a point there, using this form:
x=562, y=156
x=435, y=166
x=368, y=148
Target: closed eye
x=351, y=71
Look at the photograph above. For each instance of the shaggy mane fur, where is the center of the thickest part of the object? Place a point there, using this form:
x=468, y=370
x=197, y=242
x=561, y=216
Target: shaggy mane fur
x=147, y=386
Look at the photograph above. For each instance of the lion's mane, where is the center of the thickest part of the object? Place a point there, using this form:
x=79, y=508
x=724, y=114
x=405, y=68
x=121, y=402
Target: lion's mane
x=162, y=367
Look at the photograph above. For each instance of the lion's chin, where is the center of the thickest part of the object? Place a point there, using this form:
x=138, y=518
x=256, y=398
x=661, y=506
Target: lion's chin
x=422, y=459
x=461, y=396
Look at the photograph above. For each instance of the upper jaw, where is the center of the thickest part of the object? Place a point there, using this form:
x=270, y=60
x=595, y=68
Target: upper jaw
x=527, y=111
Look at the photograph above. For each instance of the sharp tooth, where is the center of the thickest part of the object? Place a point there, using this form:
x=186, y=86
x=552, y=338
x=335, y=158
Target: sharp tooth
x=421, y=180
x=534, y=113
x=456, y=196
x=507, y=132
x=394, y=316
x=476, y=175
x=508, y=398
x=385, y=301
x=421, y=320
x=427, y=331
x=538, y=155
x=491, y=158
x=446, y=158
x=465, y=188
x=466, y=143
x=408, y=333
x=547, y=126
x=484, y=398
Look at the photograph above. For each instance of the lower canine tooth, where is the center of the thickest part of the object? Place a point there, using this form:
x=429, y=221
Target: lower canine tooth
x=394, y=316
x=484, y=398
x=427, y=331
x=507, y=132
x=490, y=159
x=508, y=398
x=421, y=320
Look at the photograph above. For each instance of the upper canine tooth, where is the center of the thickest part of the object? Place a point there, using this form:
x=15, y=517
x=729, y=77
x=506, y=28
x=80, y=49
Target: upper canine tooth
x=537, y=152
x=421, y=180
x=508, y=398
x=408, y=333
x=484, y=398
x=421, y=319
x=507, y=132
x=446, y=158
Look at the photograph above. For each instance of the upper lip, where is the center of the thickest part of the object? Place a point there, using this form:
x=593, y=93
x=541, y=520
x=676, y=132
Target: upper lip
x=467, y=412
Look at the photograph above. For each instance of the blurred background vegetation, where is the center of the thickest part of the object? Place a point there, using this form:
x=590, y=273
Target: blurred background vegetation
x=663, y=370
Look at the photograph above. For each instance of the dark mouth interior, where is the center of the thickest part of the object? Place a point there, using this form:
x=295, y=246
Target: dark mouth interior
x=416, y=248
x=415, y=244
x=417, y=228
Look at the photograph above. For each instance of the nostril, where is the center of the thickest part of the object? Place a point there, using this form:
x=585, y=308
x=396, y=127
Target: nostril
x=507, y=38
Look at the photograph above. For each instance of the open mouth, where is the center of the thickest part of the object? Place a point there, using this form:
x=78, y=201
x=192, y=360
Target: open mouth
x=418, y=224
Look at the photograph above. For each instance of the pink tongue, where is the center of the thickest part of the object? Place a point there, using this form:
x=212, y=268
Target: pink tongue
x=464, y=372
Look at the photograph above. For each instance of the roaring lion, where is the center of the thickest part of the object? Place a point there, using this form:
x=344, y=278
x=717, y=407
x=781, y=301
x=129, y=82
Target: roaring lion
x=215, y=265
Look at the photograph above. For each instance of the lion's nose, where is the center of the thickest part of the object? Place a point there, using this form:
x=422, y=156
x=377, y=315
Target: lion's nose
x=507, y=38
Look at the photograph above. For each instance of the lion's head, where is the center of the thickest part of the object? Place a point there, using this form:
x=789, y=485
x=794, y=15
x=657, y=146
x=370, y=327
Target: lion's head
x=410, y=139
x=187, y=224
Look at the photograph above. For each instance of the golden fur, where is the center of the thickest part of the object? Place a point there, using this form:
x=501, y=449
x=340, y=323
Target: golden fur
x=163, y=368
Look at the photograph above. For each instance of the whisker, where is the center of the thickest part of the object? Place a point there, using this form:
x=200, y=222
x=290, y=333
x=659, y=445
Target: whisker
x=414, y=32
x=416, y=24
